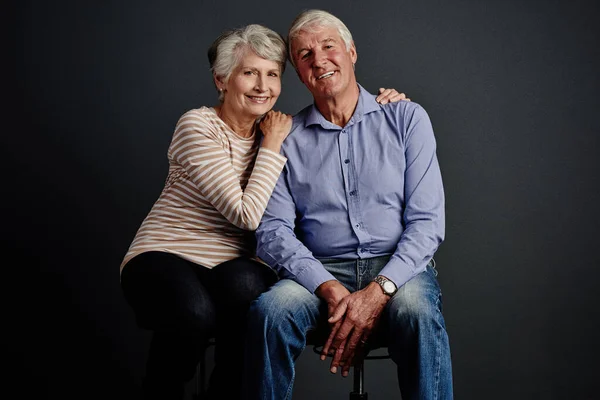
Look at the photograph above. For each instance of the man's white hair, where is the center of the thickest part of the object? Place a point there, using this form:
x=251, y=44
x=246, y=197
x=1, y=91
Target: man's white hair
x=312, y=19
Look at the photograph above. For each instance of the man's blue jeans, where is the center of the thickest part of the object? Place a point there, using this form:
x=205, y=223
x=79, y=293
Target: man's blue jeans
x=418, y=343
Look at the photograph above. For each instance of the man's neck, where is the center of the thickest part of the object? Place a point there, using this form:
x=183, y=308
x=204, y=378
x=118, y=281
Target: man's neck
x=339, y=109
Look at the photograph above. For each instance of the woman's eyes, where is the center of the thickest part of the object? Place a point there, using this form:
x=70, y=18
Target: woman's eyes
x=248, y=73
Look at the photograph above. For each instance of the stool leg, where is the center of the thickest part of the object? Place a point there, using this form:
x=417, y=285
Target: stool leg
x=200, y=385
x=358, y=393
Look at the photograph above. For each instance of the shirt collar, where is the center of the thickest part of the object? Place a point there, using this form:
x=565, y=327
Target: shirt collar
x=366, y=104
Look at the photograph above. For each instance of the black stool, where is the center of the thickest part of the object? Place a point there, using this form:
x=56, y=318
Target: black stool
x=200, y=377
x=316, y=339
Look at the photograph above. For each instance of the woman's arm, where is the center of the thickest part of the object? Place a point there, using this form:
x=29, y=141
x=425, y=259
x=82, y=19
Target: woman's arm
x=198, y=149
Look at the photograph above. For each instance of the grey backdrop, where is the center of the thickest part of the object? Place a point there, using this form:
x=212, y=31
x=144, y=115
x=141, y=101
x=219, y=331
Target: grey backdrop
x=511, y=88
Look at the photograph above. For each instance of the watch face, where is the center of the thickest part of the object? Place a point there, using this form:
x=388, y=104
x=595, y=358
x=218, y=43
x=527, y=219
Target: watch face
x=389, y=287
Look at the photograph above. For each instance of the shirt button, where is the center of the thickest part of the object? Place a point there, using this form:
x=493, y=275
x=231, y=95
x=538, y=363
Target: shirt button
x=358, y=226
x=352, y=193
x=360, y=250
x=343, y=131
x=346, y=161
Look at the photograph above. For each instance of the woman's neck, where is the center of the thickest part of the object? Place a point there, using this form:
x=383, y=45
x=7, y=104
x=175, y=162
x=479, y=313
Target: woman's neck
x=242, y=126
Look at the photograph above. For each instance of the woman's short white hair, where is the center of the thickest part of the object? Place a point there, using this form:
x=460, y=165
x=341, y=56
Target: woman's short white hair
x=227, y=50
x=314, y=19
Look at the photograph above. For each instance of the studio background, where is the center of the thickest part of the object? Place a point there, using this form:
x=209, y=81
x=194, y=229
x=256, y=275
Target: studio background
x=511, y=88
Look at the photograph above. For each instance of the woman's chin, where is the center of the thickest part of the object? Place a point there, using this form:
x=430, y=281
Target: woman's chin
x=258, y=114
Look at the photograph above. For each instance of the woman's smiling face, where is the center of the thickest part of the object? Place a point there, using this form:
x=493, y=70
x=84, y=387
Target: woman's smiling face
x=253, y=87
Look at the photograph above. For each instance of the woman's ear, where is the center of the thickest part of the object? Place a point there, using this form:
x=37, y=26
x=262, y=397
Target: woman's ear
x=219, y=83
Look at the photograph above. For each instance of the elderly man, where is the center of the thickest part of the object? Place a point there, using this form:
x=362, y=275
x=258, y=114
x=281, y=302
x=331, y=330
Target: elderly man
x=351, y=228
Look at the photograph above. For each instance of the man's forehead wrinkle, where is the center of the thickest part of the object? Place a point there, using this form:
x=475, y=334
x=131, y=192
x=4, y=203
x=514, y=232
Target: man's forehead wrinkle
x=307, y=46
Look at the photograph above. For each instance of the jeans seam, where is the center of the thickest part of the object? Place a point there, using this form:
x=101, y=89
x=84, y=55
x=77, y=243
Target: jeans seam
x=291, y=385
x=358, y=275
x=288, y=394
x=438, y=355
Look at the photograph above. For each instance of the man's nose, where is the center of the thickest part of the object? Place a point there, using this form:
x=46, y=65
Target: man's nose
x=319, y=58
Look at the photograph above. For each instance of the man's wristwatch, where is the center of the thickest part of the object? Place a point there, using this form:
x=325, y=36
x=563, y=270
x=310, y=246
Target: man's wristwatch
x=388, y=286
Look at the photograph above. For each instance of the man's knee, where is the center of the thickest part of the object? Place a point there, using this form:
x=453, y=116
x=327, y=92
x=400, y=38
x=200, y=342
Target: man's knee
x=281, y=304
x=417, y=300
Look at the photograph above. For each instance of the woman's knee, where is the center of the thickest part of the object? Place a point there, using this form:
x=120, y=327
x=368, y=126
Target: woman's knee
x=165, y=293
x=243, y=280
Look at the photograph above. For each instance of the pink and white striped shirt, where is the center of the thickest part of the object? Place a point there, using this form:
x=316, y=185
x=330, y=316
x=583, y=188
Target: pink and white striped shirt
x=217, y=189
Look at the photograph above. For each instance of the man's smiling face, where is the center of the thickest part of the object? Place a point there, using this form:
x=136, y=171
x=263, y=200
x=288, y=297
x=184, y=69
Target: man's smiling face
x=323, y=62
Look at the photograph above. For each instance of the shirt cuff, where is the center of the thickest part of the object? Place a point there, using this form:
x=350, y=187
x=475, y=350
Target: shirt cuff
x=273, y=154
x=399, y=272
x=313, y=276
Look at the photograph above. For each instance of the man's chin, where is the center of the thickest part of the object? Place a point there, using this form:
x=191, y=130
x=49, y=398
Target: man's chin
x=328, y=93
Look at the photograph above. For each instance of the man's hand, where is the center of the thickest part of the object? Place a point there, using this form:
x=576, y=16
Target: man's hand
x=390, y=96
x=354, y=319
x=333, y=292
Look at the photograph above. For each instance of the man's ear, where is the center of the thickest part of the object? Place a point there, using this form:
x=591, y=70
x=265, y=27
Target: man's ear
x=353, y=53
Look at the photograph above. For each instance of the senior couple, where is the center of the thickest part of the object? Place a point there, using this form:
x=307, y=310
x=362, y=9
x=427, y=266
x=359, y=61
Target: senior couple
x=347, y=213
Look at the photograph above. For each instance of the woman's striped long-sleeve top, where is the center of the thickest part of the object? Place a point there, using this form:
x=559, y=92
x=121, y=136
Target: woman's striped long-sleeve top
x=215, y=194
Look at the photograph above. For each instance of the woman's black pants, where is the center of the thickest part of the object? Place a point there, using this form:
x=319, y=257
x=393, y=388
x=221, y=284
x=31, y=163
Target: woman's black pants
x=185, y=304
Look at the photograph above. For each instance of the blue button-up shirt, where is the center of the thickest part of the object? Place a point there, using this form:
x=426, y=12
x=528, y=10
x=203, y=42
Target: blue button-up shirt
x=369, y=189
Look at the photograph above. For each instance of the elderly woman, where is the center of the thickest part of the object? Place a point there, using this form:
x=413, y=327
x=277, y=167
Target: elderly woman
x=190, y=272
